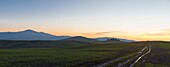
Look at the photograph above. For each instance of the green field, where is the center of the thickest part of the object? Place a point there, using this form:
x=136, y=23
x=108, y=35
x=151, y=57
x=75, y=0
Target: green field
x=84, y=55
x=158, y=57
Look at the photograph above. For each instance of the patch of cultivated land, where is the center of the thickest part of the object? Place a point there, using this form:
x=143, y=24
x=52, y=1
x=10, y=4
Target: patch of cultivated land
x=88, y=56
x=158, y=57
x=130, y=59
x=138, y=54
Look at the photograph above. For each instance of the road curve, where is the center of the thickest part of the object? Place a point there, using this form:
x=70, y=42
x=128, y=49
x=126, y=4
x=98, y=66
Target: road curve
x=140, y=53
x=141, y=57
x=114, y=60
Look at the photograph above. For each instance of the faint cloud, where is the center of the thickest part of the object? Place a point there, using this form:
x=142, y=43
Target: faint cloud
x=157, y=34
x=103, y=33
x=162, y=32
x=165, y=30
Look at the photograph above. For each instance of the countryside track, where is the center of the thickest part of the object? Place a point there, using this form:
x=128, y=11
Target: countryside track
x=134, y=60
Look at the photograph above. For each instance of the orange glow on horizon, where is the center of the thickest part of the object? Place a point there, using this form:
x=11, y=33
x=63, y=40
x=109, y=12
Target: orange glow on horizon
x=94, y=35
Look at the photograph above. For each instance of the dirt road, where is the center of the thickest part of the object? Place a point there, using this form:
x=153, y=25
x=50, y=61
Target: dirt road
x=132, y=60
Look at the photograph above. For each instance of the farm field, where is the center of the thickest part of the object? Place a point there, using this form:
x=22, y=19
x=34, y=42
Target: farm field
x=158, y=57
x=89, y=55
x=93, y=55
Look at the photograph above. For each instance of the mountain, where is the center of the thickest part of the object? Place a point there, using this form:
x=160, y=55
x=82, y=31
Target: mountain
x=108, y=39
x=29, y=35
x=34, y=35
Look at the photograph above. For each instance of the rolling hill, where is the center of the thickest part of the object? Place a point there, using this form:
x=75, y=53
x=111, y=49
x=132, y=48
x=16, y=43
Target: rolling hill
x=34, y=35
x=29, y=35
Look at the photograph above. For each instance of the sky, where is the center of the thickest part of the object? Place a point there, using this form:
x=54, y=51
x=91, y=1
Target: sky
x=131, y=19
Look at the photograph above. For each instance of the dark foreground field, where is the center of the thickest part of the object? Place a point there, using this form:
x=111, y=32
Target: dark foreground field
x=158, y=57
x=83, y=54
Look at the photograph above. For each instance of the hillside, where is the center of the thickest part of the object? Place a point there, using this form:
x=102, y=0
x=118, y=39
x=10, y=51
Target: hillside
x=34, y=35
x=29, y=35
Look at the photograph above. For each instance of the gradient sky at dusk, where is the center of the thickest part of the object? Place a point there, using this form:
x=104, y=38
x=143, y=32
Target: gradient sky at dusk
x=132, y=19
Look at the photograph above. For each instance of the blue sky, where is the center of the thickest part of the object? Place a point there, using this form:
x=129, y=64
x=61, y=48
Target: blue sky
x=74, y=17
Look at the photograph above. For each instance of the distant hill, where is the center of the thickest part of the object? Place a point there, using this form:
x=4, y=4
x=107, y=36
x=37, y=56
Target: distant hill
x=31, y=38
x=29, y=35
x=34, y=35
x=81, y=38
x=92, y=40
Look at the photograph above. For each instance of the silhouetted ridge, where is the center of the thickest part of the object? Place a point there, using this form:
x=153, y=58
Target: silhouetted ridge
x=34, y=35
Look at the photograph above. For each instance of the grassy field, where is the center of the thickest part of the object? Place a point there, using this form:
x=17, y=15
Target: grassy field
x=82, y=55
x=158, y=57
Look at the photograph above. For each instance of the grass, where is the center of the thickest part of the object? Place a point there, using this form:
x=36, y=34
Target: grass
x=33, y=55
x=155, y=65
x=158, y=57
x=64, y=57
